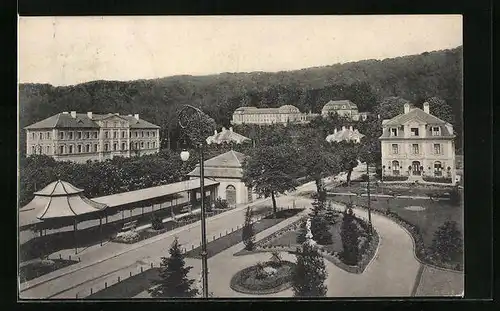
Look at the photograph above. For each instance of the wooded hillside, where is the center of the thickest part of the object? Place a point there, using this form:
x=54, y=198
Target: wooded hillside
x=366, y=83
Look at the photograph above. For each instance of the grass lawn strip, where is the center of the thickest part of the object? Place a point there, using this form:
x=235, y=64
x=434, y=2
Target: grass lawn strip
x=235, y=237
x=38, y=268
x=130, y=286
x=420, y=224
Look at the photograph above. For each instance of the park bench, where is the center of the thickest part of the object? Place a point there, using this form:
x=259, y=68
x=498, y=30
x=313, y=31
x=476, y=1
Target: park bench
x=129, y=225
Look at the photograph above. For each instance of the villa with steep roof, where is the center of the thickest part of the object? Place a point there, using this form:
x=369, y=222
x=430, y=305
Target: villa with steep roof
x=418, y=144
x=266, y=116
x=227, y=169
x=344, y=108
x=346, y=134
x=80, y=137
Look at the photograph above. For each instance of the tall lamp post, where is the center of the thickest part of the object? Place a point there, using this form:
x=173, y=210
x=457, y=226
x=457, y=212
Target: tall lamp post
x=185, y=157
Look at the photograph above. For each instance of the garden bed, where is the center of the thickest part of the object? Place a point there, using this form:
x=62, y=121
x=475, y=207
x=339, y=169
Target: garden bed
x=38, y=268
x=420, y=224
x=285, y=239
x=132, y=237
x=232, y=238
x=251, y=281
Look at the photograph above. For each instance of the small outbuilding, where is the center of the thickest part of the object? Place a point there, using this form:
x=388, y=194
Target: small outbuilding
x=227, y=169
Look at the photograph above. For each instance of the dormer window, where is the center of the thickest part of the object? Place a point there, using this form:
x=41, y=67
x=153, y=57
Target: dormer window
x=414, y=131
x=393, y=132
x=436, y=131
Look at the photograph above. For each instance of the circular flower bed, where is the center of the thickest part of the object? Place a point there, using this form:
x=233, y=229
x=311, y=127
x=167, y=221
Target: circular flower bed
x=262, y=279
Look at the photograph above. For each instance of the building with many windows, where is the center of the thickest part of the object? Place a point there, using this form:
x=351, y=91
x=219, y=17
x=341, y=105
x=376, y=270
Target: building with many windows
x=80, y=137
x=266, y=116
x=345, y=108
x=417, y=144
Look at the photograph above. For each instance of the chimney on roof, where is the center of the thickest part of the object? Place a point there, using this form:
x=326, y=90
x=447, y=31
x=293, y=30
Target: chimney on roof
x=215, y=132
x=73, y=114
x=231, y=128
x=335, y=131
x=426, y=108
x=89, y=115
x=343, y=128
x=407, y=108
x=136, y=116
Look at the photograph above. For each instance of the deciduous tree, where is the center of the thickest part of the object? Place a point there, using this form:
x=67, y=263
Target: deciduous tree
x=248, y=234
x=271, y=170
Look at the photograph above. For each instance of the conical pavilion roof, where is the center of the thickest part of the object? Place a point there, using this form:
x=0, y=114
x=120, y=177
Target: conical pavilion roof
x=59, y=188
x=59, y=199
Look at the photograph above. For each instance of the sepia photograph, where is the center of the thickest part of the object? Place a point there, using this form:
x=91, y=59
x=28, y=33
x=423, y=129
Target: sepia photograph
x=240, y=157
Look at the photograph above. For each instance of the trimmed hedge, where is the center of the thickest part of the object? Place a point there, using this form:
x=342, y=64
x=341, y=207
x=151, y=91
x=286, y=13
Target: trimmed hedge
x=443, y=180
x=395, y=178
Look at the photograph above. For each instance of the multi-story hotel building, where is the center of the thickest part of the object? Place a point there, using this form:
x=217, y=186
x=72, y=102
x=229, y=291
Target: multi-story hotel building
x=345, y=108
x=417, y=144
x=265, y=116
x=80, y=137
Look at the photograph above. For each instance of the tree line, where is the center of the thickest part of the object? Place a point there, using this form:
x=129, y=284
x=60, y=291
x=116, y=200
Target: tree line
x=366, y=83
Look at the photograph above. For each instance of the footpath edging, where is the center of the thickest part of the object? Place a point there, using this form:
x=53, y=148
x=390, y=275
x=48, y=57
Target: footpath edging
x=133, y=247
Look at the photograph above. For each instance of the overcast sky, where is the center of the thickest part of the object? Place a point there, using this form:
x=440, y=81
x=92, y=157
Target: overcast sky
x=71, y=50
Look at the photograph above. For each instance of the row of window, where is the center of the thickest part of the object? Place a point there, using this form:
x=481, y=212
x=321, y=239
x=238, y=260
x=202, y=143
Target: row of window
x=38, y=149
x=415, y=148
x=395, y=166
x=414, y=131
x=93, y=134
x=78, y=135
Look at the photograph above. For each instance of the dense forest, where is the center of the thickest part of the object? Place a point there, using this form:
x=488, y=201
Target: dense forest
x=367, y=83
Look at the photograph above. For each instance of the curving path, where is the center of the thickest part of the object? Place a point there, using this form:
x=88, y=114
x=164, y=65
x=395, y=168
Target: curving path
x=392, y=272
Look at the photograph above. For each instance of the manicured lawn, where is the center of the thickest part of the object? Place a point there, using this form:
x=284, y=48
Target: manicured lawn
x=436, y=213
x=129, y=287
x=41, y=267
x=235, y=237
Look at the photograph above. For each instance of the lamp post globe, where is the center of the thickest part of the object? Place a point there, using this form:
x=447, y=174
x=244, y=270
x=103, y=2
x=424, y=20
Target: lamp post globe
x=184, y=155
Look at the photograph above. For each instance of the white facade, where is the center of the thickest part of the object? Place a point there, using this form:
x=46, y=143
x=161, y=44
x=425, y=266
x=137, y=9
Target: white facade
x=417, y=144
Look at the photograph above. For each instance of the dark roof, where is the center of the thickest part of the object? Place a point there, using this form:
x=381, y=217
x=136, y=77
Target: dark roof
x=65, y=120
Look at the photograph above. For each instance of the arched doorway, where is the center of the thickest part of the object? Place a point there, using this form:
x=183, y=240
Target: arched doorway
x=231, y=195
x=395, y=168
x=415, y=168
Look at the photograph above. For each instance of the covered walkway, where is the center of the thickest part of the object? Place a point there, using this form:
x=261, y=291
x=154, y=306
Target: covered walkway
x=165, y=200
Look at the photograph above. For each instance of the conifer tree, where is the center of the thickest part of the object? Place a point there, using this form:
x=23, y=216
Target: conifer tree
x=173, y=280
x=350, y=238
x=248, y=234
x=308, y=277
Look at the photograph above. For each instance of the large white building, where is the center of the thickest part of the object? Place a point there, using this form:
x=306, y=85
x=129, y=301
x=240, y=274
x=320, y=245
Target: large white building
x=345, y=108
x=80, y=137
x=266, y=116
x=417, y=144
